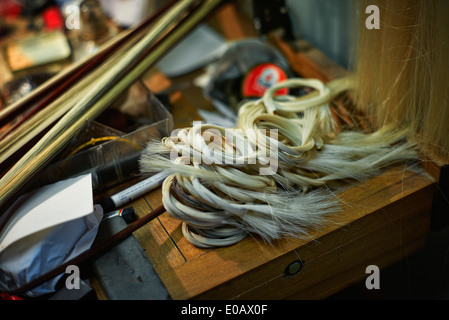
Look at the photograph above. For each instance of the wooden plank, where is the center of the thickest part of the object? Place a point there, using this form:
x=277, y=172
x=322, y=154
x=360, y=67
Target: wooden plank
x=381, y=225
x=159, y=248
x=232, y=23
x=438, y=169
x=227, y=16
x=172, y=227
x=382, y=220
x=307, y=61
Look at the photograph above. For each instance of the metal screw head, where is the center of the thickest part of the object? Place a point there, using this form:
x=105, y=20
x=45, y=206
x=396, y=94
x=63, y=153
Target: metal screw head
x=294, y=268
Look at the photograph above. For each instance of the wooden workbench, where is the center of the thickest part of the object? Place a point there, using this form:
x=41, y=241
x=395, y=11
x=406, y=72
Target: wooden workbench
x=382, y=220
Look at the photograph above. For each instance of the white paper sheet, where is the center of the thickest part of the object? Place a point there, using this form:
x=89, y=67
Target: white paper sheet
x=47, y=207
x=49, y=227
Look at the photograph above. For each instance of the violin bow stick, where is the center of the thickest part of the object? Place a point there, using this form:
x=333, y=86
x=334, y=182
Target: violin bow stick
x=103, y=91
x=54, y=87
x=158, y=49
x=90, y=254
x=60, y=98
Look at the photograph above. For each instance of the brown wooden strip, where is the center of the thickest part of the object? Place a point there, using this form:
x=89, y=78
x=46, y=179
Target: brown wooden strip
x=172, y=228
x=346, y=264
x=201, y=275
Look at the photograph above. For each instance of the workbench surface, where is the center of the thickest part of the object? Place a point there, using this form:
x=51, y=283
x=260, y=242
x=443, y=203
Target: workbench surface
x=382, y=220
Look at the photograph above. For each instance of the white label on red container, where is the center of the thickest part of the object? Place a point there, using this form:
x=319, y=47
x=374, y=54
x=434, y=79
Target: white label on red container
x=262, y=77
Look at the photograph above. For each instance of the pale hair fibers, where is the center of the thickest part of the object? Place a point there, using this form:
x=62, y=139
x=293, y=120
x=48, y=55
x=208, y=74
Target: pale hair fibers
x=402, y=70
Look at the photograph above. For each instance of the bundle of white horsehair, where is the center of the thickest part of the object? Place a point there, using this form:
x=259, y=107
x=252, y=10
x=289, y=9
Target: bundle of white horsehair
x=402, y=70
x=275, y=174
x=399, y=83
x=97, y=91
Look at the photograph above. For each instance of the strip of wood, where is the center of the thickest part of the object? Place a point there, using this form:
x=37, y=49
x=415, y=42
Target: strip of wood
x=376, y=209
